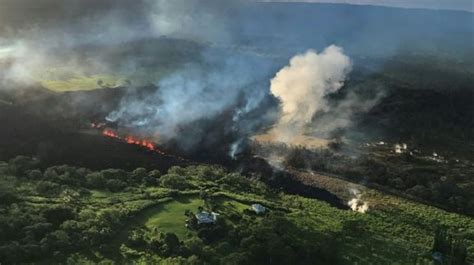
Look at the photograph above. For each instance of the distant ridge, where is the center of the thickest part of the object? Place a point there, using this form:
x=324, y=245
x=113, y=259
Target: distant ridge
x=461, y=5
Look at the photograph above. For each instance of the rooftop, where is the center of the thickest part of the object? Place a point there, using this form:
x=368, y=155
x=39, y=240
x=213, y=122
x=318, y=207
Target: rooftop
x=206, y=217
x=258, y=208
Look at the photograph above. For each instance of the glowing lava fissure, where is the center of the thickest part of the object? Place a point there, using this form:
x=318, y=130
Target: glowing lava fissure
x=129, y=139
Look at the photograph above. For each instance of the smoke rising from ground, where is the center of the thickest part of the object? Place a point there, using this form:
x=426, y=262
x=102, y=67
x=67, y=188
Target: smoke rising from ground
x=195, y=79
x=356, y=203
x=196, y=92
x=302, y=87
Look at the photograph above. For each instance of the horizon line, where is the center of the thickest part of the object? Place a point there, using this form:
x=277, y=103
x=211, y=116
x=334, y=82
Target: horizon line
x=345, y=2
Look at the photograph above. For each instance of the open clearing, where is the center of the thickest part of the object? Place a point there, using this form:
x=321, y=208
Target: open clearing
x=169, y=216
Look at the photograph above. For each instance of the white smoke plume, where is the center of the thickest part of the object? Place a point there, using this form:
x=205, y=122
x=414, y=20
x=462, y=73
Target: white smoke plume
x=356, y=203
x=303, y=85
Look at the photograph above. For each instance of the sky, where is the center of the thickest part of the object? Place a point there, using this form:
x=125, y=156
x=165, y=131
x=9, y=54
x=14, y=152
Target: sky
x=464, y=5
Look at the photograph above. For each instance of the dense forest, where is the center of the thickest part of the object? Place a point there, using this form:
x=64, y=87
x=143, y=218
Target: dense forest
x=70, y=215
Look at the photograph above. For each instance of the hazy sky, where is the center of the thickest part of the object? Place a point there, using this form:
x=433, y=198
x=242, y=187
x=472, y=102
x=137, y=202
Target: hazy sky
x=466, y=5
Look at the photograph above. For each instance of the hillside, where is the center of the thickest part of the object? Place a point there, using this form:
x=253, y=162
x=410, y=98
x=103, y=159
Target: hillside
x=74, y=215
x=237, y=132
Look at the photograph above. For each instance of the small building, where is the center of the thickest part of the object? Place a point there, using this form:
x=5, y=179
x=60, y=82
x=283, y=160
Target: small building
x=437, y=256
x=258, y=208
x=206, y=217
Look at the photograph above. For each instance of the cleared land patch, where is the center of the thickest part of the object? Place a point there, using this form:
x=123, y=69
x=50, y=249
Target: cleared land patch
x=169, y=216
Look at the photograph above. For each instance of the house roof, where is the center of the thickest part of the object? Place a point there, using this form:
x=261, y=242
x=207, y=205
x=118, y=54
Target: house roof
x=206, y=217
x=258, y=207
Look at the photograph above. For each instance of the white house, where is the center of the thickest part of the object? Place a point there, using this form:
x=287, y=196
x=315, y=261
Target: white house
x=258, y=208
x=206, y=218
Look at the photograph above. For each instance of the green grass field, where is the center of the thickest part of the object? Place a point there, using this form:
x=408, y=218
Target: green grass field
x=62, y=80
x=82, y=83
x=169, y=216
x=230, y=206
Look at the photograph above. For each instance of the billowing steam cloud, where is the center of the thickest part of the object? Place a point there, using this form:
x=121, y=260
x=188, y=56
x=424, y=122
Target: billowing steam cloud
x=302, y=87
x=356, y=203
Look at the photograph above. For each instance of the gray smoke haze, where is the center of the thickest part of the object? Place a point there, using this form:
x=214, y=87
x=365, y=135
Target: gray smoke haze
x=204, y=21
x=340, y=115
x=39, y=35
x=213, y=58
x=111, y=21
x=214, y=78
x=197, y=91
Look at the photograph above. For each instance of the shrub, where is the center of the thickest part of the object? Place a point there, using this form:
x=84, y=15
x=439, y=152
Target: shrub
x=95, y=180
x=20, y=164
x=58, y=214
x=47, y=188
x=118, y=174
x=155, y=174
x=139, y=174
x=115, y=185
x=34, y=174
x=7, y=193
x=173, y=181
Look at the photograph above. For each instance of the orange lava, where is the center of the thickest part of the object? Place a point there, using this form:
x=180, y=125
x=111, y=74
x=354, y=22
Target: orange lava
x=110, y=133
x=129, y=139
